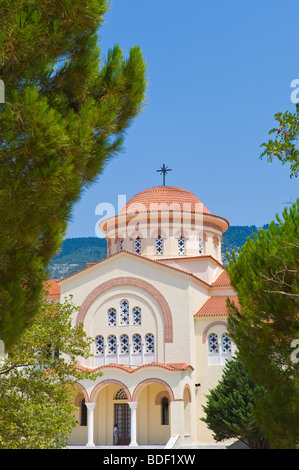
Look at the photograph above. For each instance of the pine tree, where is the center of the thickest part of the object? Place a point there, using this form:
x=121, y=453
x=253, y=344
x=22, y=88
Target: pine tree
x=65, y=116
x=230, y=407
x=266, y=278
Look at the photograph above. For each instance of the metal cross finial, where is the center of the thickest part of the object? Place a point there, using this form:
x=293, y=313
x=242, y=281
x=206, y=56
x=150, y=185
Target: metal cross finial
x=164, y=170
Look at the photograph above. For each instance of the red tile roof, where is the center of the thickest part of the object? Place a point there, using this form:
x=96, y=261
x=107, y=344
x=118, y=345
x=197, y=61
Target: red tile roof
x=52, y=287
x=216, y=306
x=222, y=280
x=176, y=199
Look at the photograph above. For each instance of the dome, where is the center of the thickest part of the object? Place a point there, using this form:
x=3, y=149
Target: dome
x=160, y=198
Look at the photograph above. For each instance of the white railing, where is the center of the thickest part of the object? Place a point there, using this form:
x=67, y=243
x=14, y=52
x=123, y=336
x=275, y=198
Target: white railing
x=129, y=359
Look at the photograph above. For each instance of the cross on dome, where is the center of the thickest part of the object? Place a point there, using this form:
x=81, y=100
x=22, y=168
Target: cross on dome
x=164, y=170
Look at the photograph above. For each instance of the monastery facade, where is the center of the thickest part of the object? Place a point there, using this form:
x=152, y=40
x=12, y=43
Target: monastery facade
x=156, y=309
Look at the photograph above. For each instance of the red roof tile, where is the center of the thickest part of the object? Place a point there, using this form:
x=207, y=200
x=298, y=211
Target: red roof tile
x=216, y=306
x=52, y=287
x=175, y=199
x=222, y=280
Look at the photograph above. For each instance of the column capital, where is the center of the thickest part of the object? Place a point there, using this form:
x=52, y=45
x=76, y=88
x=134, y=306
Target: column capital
x=133, y=404
x=90, y=406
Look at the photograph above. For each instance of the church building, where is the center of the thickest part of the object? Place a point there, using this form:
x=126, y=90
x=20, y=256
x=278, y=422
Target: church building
x=156, y=309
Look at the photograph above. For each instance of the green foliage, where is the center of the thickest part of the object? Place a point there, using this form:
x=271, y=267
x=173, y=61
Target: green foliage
x=37, y=384
x=231, y=405
x=65, y=116
x=266, y=277
x=284, y=146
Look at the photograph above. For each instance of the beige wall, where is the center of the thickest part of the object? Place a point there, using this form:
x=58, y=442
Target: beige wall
x=184, y=297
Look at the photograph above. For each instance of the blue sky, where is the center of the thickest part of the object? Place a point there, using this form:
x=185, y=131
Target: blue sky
x=218, y=72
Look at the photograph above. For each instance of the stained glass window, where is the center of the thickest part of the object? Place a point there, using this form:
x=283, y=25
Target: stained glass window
x=124, y=344
x=226, y=343
x=124, y=312
x=213, y=343
x=111, y=317
x=99, y=342
x=200, y=246
x=136, y=343
x=159, y=245
x=149, y=343
x=112, y=344
x=136, y=316
x=181, y=245
x=137, y=246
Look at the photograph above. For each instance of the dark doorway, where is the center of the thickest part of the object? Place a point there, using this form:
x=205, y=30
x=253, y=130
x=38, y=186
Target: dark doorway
x=122, y=417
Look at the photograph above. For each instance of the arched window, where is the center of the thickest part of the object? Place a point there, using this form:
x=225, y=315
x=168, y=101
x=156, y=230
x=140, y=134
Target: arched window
x=83, y=413
x=99, y=342
x=136, y=343
x=149, y=343
x=124, y=344
x=120, y=395
x=165, y=411
x=111, y=317
x=137, y=246
x=124, y=312
x=136, y=316
x=111, y=344
x=181, y=245
x=200, y=246
x=226, y=343
x=159, y=245
x=213, y=343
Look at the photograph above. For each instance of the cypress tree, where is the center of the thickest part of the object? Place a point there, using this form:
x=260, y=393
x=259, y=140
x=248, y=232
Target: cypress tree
x=230, y=408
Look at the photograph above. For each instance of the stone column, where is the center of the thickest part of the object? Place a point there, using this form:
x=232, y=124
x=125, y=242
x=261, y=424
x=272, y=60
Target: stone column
x=90, y=407
x=133, y=405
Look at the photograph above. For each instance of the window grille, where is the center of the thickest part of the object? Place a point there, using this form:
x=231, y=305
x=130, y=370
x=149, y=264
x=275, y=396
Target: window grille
x=213, y=343
x=112, y=344
x=99, y=342
x=181, y=245
x=124, y=344
x=124, y=312
x=136, y=343
x=137, y=246
x=120, y=395
x=226, y=343
x=136, y=316
x=149, y=343
x=159, y=245
x=111, y=317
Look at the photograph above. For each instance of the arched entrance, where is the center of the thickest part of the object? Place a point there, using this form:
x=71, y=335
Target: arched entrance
x=153, y=424
x=111, y=398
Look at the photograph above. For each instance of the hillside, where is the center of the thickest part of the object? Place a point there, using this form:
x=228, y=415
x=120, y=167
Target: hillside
x=75, y=252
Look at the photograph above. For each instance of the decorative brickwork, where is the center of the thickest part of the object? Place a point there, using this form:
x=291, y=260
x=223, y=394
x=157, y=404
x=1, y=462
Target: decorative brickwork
x=150, y=381
x=99, y=386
